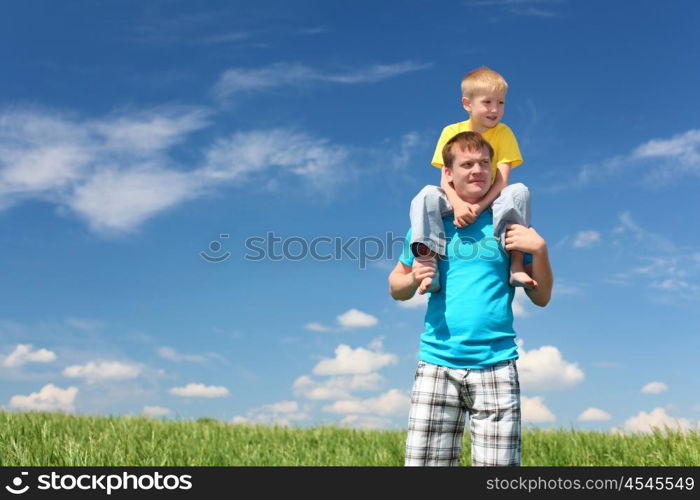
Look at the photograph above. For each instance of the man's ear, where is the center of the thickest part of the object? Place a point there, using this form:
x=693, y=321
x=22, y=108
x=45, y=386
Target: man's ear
x=448, y=174
x=466, y=104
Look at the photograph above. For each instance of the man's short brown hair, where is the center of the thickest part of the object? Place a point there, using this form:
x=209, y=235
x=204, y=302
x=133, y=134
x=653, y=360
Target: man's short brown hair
x=470, y=141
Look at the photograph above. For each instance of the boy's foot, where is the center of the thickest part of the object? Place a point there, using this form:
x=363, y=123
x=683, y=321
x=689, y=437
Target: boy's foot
x=522, y=279
x=430, y=285
x=428, y=257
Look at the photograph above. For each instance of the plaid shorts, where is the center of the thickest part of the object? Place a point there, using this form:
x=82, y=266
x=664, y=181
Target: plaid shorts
x=439, y=400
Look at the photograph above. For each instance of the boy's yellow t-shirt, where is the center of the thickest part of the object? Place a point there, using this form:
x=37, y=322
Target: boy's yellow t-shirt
x=502, y=140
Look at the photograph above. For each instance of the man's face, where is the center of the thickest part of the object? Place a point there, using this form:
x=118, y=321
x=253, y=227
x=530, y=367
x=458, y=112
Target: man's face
x=485, y=110
x=470, y=173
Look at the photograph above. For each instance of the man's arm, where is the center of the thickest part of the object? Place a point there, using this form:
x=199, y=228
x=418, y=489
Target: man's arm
x=527, y=240
x=404, y=280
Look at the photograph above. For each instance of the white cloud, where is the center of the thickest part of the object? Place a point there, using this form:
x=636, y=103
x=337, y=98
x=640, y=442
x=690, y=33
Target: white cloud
x=408, y=146
x=193, y=390
x=149, y=132
x=103, y=370
x=265, y=152
x=545, y=369
x=672, y=271
x=282, y=407
x=519, y=303
x=23, y=354
x=390, y=403
x=239, y=419
x=156, y=411
x=654, y=388
x=594, y=414
x=83, y=323
x=112, y=172
x=562, y=288
x=49, y=398
x=586, y=239
x=349, y=361
x=679, y=145
x=282, y=413
x=120, y=199
x=173, y=355
x=354, y=318
x=365, y=422
x=658, y=419
x=237, y=81
x=414, y=302
x=336, y=387
x=529, y=8
x=317, y=327
x=656, y=161
x=534, y=410
x=350, y=319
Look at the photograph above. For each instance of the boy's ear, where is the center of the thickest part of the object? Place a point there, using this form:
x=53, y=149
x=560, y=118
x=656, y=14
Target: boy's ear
x=466, y=104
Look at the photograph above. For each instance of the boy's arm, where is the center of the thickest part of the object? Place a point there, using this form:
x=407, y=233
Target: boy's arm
x=464, y=212
x=526, y=239
x=501, y=181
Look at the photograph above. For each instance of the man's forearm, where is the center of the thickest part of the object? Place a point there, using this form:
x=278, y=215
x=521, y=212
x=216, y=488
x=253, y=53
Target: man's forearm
x=542, y=273
x=402, y=286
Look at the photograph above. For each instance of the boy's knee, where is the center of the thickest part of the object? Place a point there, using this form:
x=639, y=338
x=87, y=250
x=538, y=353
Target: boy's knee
x=427, y=193
x=517, y=190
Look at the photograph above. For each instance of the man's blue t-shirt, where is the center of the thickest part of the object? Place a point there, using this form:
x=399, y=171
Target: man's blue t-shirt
x=469, y=322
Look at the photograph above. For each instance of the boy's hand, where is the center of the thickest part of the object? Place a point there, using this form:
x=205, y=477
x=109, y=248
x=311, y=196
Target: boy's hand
x=466, y=213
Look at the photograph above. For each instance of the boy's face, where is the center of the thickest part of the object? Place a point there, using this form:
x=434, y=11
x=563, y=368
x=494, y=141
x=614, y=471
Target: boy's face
x=485, y=110
x=470, y=173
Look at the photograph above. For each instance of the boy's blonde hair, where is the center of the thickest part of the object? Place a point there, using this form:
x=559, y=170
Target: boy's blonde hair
x=483, y=80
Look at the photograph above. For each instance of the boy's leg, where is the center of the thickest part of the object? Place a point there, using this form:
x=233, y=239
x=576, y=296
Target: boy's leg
x=494, y=395
x=428, y=208
x=436, y=418
x=513, y=207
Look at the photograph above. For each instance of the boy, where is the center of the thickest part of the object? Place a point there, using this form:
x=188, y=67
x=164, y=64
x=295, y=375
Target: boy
x=483, y=97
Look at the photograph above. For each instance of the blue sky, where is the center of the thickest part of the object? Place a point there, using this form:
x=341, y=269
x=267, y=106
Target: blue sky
x=136, y=140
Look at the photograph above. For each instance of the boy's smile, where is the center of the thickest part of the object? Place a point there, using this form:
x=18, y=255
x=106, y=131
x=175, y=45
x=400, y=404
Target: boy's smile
x=485, y=110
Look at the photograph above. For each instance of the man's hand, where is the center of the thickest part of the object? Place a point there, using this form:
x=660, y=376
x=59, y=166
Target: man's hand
x=524, y=239
x=466, y=213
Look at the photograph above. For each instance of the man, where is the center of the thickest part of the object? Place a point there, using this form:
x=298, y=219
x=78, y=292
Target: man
x=468, y=351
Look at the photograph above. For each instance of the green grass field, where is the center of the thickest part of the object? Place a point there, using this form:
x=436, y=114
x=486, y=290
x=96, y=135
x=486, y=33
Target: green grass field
x=53, y=439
